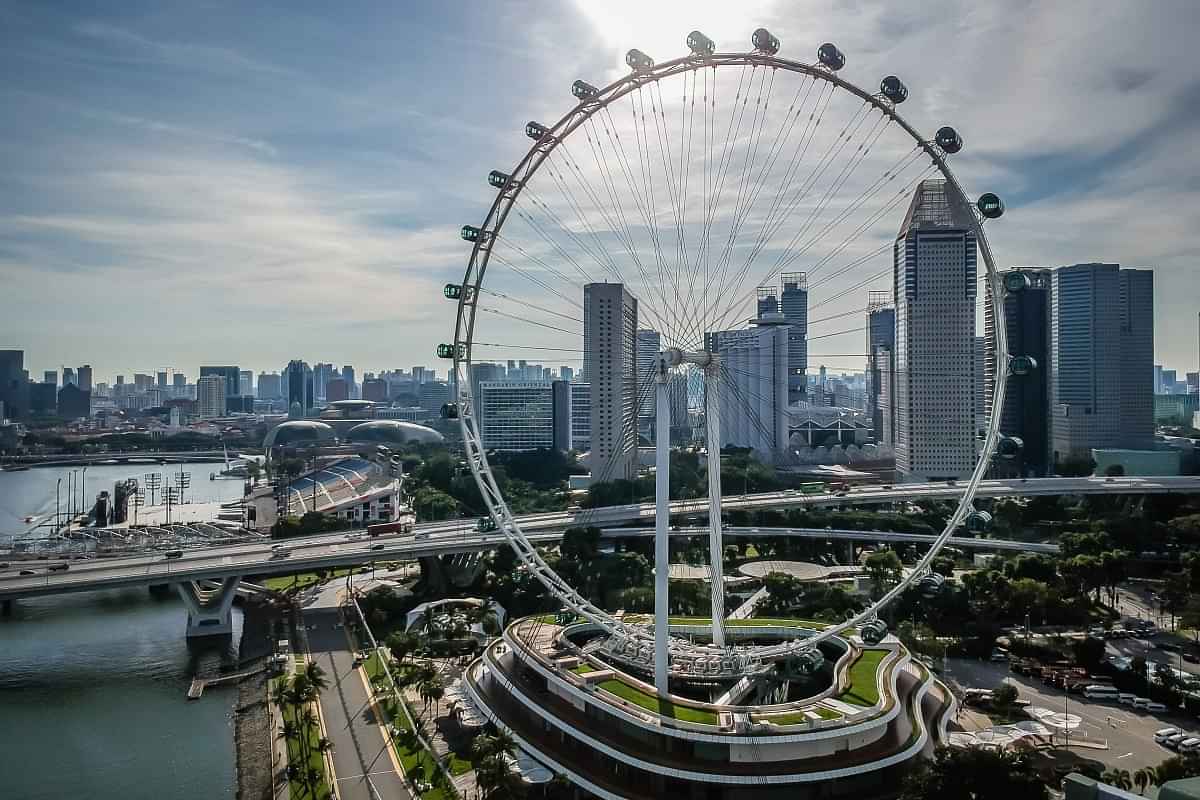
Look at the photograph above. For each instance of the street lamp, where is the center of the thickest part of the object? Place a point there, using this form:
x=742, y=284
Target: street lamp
x=58, y=506
x=83, y=490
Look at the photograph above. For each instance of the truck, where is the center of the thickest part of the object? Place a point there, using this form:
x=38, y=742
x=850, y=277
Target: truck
x=812, y=488
x=402, y=525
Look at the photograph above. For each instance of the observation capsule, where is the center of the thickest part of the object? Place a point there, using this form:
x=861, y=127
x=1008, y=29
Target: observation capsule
x=498, y=179
x=536, y=131
x=764, y=42
x=1022, y=365
x=445, y=350
x=470, y=233
x=638, y=61
x=584, y=90
x=978, y=521
x=893, y=89
x=1010, y=446
x=807, y=662
x=874, y=631
x=1016, y=281
x=931, y=584
x=948, y=139
x=831, y=57
x=450, y=411
x=452, y=291
x=990, y=205
x=700, y=44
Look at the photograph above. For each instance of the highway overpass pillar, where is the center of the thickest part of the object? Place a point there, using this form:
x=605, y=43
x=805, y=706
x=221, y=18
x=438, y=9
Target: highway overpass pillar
x=210, y=613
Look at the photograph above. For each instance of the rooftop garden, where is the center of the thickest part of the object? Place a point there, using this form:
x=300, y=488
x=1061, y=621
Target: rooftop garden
x=797, y=717
x=656, y=704
x=862, y=688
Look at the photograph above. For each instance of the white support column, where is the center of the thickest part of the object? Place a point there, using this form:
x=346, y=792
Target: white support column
x=712, y=418
x=209, y=613
x=662, y=532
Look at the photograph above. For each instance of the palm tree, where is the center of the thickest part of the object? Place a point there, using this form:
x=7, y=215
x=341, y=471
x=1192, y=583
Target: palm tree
x=314, y=674
x=1119, y=778
x=279, y=694
x=1143, y=778
x=324, y=745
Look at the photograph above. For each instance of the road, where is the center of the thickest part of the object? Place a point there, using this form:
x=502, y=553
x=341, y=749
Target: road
x=333, y=549
x=1130, y=734
x=361, y=759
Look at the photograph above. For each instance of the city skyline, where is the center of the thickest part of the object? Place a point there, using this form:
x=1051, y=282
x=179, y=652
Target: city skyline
x=155, y=198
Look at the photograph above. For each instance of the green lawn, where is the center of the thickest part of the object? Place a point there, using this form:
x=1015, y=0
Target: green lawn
x=798, y=717
x=296, y=753
x=753, y=621
x=410, y=759
x=658, y=705
x=279, y=583
x=863, y=689
x=583, y=669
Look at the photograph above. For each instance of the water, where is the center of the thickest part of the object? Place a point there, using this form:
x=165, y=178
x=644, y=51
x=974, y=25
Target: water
x=92, y=685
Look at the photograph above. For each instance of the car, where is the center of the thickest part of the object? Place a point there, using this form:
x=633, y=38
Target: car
x=1190, y=745
x=1126, y=698
x=1190, y=657
x=1175, y=740
x=1162, y=734
x=172, y=554
x=279, y=552
x=3, y=565
x=353, y=537
x=999, y=655
x=1141, y=702
x=58, y=567
x=27, y=572
x=1156, y=708
x=1168, y=647
x=379, y=546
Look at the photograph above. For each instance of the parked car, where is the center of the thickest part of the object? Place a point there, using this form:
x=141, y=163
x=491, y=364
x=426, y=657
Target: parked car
x=1156, y=708
x=1189, y=745
x=1162, y=734
x=1175, y=740
x=1126, y=698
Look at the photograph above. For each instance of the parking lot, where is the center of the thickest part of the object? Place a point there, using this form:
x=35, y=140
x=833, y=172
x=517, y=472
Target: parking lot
x=1129, y=733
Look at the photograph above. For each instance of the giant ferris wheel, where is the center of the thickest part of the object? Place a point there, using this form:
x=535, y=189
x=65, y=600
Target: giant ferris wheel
x=695, y=183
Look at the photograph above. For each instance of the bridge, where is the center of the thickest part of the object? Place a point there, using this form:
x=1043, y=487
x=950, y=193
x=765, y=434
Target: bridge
x=131, y=457
x=228, y=563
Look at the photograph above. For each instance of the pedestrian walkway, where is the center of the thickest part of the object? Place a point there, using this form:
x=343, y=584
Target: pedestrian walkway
x=436, y=725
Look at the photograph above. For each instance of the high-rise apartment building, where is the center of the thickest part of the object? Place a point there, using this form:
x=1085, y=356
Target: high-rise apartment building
x=1026, y=412
x=232, y=376
x=1102, y=344
x=935, y=270
x=210, y=395
x=793, y=304
x=881, y=343
x=649, y=343
x=610, y=319
x=752, y=392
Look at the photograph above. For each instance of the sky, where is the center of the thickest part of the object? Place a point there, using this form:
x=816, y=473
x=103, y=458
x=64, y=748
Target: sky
x=247, y=183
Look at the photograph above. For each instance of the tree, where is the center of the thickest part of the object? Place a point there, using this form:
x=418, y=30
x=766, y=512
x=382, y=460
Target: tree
x=974, y=773
x=315, y=675
x=1119, y=778
x=1114, y=470
x=884, y=569
x=1143, y=778
x=1004, y=696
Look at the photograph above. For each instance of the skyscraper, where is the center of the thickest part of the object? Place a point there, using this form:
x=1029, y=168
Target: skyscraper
x=50, y=376
x=1026, y=412
x=84, y=377
x=162, y=379
x=232, y=376
x=179, y=380
x=753, y=389
x=14, y=385
x=68, y=376
x=270, y=386
x=935, y=260
x=336, y=390
x=351, y=386
x=610, y=317
x=517, y=415
x=246, y=383
x=210, y=395
x=649, y=343
x=881, y=343
x=793, y=304
x=1102, y=344
x=299, y=383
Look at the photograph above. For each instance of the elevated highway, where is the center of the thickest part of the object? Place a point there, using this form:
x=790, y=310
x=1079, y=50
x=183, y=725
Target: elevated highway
x=226, y=562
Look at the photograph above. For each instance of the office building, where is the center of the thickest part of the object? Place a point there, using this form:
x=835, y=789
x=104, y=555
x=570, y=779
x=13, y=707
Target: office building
x=1158, y=379
x=1026, y=412
x=232, y=376
x=581, y=417
x=432, y=395
x=210, y=395
x=610, y=320
x=1193, y=383
x=336, y=390
x=752, y=391
x=43, y=399
x=516, y=415
x=677, y=395
x=270, y=386
x=881, y=341
x=375, y=389
x=351, y=386
x=162, y=379
x=935, y=260
x=566, y=373
x=322, y=373
x=74, y=403
x=246, y=383
x=299, y=386
x=179, y=380
x=68, y=376
x=793, y=303
x=1102, y=344
x=418, y=375
x=50, y=376
x=83, y=377
x=649, y=344
x=14, y=384
x=141, y=383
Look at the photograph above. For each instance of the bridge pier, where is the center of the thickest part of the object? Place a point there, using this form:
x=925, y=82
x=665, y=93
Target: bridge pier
x=6, y=608
x=210, y=613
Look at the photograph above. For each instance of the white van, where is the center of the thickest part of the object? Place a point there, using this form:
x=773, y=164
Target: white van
x=1126, y=698
x=1097, y=691
x=1141, y=702
x=1162, y=734
x=1156, y=708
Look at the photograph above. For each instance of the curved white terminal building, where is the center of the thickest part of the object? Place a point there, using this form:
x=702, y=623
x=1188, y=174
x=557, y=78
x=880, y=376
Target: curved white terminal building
x=590, y=712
